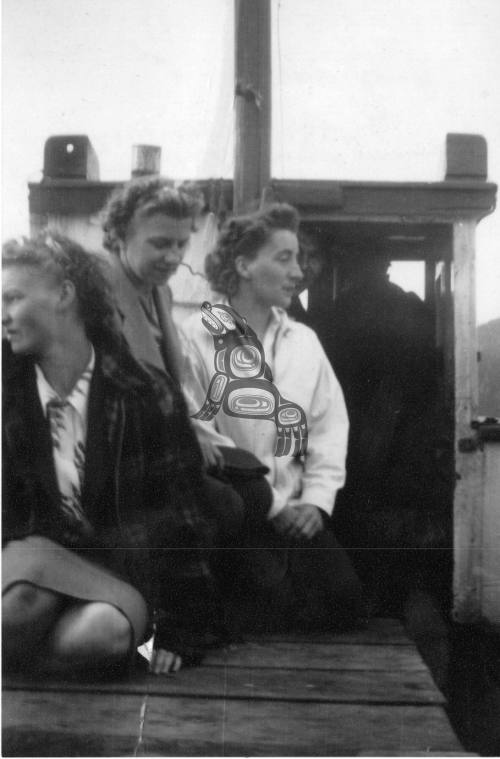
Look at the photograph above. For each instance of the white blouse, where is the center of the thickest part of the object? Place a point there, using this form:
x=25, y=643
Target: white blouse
x=68, y=428
x=302, y=374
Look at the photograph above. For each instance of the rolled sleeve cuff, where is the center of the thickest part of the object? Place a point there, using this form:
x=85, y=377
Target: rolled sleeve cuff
x=317, y=496
x=324, y=500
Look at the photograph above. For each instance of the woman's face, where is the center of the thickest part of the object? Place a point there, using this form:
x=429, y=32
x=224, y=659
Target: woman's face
x=29, y=308
x=155, y=246
x=273, y=275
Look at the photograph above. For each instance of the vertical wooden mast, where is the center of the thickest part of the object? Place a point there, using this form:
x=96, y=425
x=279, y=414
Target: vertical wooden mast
x=252, y=100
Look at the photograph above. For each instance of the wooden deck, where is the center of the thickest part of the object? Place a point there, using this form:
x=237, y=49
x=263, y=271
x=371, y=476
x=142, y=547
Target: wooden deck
x=361, y=694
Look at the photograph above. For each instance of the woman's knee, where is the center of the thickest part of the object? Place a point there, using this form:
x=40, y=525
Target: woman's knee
x=115, y=628
x=28, y=613
x=25, y=604
x=257, y=496
x=95, y=630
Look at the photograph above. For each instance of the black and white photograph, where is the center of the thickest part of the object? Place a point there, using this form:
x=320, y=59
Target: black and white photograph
x=250, y=378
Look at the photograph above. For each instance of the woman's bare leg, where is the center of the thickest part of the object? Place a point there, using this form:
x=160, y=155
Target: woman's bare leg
x=41, y=632
x=88, y=636
x=28, y=613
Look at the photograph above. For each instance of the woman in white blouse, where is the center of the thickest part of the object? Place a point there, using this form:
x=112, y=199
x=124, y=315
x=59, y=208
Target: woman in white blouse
x=254, y=271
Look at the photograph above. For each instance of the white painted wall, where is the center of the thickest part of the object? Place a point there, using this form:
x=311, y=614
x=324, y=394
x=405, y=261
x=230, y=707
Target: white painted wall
x=490, y=548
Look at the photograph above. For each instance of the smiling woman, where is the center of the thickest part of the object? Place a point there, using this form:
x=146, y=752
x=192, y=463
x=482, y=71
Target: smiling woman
x=147, y=227
x=271, y=277
x=154, y=247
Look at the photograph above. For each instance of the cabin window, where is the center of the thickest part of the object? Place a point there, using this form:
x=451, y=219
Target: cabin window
x=410, y=275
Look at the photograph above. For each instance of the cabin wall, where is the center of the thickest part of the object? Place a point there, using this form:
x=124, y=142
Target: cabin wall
x=85, y=229
x=490, y=554
x=189, y=285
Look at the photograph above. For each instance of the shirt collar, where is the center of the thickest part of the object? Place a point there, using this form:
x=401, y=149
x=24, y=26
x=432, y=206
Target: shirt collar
x=78, y=398
x=279, y=317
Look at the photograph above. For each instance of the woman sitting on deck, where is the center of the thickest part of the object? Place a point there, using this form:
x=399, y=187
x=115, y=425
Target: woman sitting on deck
x=100, y=468
x=255, y=267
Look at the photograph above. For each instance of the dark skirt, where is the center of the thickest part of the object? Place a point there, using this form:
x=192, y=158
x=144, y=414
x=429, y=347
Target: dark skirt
x=48, y=565
x=287, y=585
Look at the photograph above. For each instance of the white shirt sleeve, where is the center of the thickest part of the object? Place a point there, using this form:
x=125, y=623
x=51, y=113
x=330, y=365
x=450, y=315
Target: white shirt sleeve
x=328, y=422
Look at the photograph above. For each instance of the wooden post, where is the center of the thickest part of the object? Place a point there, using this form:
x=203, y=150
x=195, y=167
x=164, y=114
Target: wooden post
x=430, y=277
x=466, y=160
x=252, y=100
x=468, y=501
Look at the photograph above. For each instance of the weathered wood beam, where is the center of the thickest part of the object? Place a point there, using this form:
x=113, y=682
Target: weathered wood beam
x=69, y=197
x=403, y=202
x=398, y=201
x=252, y=100
x=469, y=459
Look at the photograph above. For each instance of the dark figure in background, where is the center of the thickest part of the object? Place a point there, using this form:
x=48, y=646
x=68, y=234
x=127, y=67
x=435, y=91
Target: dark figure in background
x=380, y=340
x=312, y=262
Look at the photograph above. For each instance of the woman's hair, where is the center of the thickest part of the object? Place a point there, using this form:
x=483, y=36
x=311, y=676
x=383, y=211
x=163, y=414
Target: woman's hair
x=63, y=259
x=149, y=195
x=244, y=236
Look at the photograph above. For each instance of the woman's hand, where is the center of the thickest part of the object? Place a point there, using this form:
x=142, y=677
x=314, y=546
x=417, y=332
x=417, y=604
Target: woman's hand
x=164, y=662
x=302, y=521
x=212, y=455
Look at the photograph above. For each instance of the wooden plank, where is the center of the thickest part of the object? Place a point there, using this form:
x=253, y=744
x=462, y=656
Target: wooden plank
x=276, y=655
x=62, y=724
x=319, y=193
x=331, y=686
x=369, y=201
x=419, y=753
x=55, y=725
x=69, y=196
x=380, y=631
x=425, y=201
x=254, y=728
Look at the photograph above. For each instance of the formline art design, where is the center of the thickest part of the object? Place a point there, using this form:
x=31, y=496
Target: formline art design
x=243, y=382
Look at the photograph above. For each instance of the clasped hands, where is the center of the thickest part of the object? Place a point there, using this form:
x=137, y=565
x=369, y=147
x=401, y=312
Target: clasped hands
x=301, y=521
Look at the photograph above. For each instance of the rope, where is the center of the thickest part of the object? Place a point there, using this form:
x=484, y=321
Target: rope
x=280, y=89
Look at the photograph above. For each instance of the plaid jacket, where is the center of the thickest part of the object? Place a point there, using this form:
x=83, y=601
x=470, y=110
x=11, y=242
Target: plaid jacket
x=142, y=489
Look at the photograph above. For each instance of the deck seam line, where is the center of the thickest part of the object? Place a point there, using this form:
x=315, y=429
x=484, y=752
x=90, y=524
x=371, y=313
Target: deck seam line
x=344, y=643
x=274, y=699
x=263, y=668
x=311, y=669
